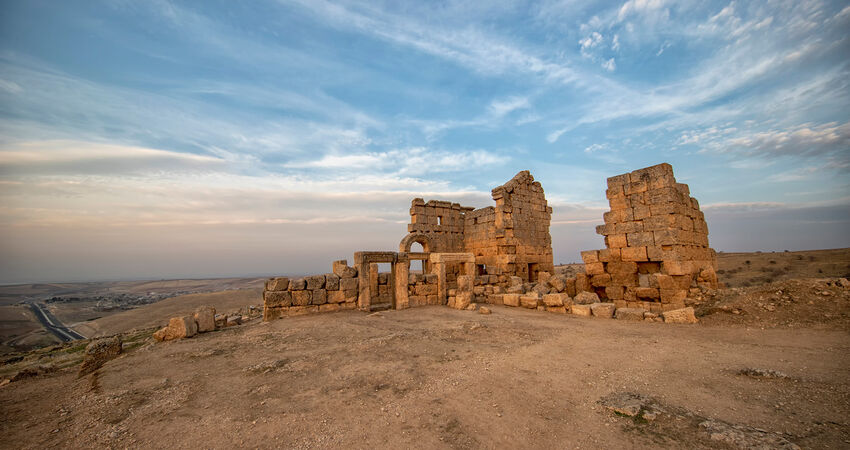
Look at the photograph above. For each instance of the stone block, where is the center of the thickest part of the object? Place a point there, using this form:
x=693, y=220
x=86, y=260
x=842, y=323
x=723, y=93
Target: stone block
x=582, y=283
x=600, y=280
x=318, y=297
x=348, y=305
x=682, y=315
x=331, y=282
x=348, y=284
x=616, y=241
x=673, y=295
x=580, y=310
x=205, y=318
x=641, y=212
x=178, y=327
x=269, y=313
x=301, y=298
x=463, y=300
x=640, y=239
x=585, y=298
x=557, y=309
x=274, y=299
x=594, y=268
x=602, y=310
x=590, y=256
x=643, y=293
x=634, y=254
x=341, y=269
x=511, y=299
x=621, y=267
x=554, y=299
x=277, y=284
x=614, y=293
x=298, y=285
x=529, y=301
x=629, y=313
x=570, y=288
x=541, y=288
x=336, y=296
x=315, y=282
x=558, y=283
x=610, y=254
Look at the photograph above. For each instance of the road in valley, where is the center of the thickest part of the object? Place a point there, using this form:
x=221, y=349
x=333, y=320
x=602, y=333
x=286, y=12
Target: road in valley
x=52, y=324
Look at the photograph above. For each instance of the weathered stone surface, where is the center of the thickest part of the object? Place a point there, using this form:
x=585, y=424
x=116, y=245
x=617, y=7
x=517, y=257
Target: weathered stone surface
x=554, y=299
x=683, y=315
x=557, y=309
x=484, y=310
x=630, y=313
x=315, y=282
x=585, y=298
x=341, y=269
x=98, y=352
x=233, y=320
x=516, y=289
x=462, y=300
x=348, y=284
x=298, y=285
x=277, y=284
x=205, y=318
x=602, y=310
x=329, y=307
x=301, y=298
x=529, y=301
x=511, y=299
x=558, y=283
x=178, y=327
x=318, y=297
x=540, y=288
x=272, y=299
x=331, y=282
x=580, y=310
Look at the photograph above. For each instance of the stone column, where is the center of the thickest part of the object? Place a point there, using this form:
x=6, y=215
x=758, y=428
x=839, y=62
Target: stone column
x=364, y=296
x=439, y=268
x=402, y=270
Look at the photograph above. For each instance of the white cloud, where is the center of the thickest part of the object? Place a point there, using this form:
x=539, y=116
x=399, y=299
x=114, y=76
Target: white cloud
x=500, y=108
x=640, y=7
x=609, y=65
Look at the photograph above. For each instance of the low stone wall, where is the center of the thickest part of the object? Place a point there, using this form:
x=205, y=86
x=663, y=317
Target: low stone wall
x=314, y=294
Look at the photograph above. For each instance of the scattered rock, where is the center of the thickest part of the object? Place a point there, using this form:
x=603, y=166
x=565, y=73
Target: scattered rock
x=843, y=282
x=683, y=315
x=232, y=321
x=178, y=327
x=33, y=371
x=762, y=373
x=745, y=437
x=484, y=310
x=205, y=317
x=98, y=352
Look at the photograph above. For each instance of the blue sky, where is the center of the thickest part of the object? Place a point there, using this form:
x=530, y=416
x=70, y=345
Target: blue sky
x=172, y=139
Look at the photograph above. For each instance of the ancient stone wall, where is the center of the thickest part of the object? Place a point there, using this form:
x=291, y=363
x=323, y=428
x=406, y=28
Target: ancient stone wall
x=437, y=225
x=318, y=293
x=521, y=218
x=422, y=290
x=657, y=243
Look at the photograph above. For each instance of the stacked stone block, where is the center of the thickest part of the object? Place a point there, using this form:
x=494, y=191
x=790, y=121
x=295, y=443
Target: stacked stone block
x=442, y=222
x=422, y=289
x=318, y=293
x=657, y=243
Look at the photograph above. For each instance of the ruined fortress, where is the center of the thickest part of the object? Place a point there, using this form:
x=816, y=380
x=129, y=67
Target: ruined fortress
x=656, y=253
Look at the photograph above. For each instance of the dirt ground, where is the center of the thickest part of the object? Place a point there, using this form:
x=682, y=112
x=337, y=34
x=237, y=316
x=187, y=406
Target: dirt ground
x=438, y=378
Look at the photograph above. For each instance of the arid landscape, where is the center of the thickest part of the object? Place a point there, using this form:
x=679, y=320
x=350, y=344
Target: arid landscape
x=766, y=366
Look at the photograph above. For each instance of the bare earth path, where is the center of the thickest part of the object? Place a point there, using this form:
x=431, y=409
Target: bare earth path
x=439, y=378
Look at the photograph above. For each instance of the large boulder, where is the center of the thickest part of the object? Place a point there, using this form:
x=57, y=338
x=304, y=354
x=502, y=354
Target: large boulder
x=205, y=318
x=463, y=300
x=530, y=300
x=178, y=327
x=683, y=315
x=98, y=352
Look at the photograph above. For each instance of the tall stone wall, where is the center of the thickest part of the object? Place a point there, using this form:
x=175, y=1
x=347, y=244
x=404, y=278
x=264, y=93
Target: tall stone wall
x=657, y=243
x=522, y=218
x=439, y=224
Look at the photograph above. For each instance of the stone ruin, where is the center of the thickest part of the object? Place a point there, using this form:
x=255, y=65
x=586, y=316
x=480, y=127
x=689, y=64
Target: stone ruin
x=656, y=251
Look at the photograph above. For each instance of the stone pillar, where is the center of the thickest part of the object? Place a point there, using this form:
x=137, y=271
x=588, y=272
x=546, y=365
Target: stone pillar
x=364, y=296
x=402, y=270
x=469, y=269
x=439, y=268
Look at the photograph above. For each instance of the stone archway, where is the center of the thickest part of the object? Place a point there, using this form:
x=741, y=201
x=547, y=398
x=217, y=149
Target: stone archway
x=421, y=238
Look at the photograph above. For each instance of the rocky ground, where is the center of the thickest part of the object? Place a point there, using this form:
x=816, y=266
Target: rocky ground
x=766, y=367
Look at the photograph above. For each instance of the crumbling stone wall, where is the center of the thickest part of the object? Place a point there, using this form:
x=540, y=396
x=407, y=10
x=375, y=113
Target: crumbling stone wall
x=657, y=243
x=318, y=293
x=522, y=218
x=422, y=290
x=510, y=239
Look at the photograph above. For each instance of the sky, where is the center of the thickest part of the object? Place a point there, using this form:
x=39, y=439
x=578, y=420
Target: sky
x=157, y=139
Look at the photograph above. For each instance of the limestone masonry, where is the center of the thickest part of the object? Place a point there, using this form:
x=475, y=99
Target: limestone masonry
x=656, y=253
